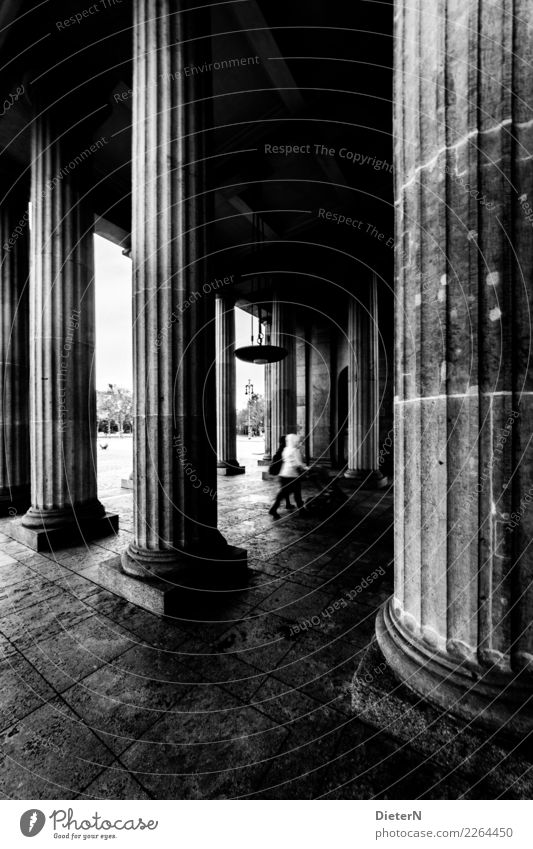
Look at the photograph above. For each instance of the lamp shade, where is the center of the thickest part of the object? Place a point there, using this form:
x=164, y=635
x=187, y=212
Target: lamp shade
x=261, y=354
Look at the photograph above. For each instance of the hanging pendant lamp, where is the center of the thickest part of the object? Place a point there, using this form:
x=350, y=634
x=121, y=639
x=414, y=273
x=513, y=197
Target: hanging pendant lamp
x=259, y=353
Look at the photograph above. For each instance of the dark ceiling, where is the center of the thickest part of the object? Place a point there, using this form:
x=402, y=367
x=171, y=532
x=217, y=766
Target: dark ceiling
x=323, y=78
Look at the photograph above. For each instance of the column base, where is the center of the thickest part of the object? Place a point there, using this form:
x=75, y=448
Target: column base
x=230, y=469
x=487, y=695
x=266, y=461
x=366, y=479
x=69, y=532
x=156, y=581
x=127, y=483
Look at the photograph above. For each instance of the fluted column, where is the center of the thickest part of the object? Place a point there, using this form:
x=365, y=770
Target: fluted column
x=226, y=387
x=62, y=391
x=459, y=628
x=283, y=375
x=14, y=360
x=363, y=386
x=267, y=456
x=175, y=464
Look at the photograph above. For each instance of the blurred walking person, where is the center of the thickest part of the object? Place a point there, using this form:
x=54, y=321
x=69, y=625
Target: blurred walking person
x=292, y=468
x=275, y=466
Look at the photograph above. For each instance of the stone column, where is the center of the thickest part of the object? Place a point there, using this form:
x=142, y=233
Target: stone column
x=363, y=387
x=320, y=392
x=175, y=471
x=302, y=357
x=14, y=350
x=459, y=628
x=283, y=375
x=267, y=456
x=226, y=388
x=127, y=483
x=64, y=501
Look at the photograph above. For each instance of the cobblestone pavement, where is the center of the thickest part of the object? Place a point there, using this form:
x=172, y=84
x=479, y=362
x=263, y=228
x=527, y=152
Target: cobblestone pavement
x=247, y=693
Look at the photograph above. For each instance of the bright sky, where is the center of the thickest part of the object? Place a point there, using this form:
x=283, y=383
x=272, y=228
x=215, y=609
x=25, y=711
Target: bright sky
x=113, y=325
x=113, y=315
x=246, y=371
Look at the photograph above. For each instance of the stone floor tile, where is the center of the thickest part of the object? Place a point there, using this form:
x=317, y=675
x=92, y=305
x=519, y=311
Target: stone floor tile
x=145, y=628
x=290, y=706
x=444, y=740
x=292, y=601
x=118, y=707
x=26, y=593
x=307, y=762
x=384, y=769
x=46, y=566
x=116, y=543
x=80, y=585
x=229, y=699
x=114, y=783
x=23, y=689
x=213, y=750
x=262, y=642
x=43, y=620
x=72, y=654
x=13, y=572
x=49, y=754
x=228, y=671
x=12, y=547
x=322, y=668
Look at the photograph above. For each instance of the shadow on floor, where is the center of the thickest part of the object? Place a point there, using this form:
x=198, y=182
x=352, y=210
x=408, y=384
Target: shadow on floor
x=245, y=692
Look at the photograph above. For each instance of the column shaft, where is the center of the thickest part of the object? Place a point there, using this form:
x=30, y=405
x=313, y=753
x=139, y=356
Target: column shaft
x=363, y=386
x=320, y=391
x=459, y=628
x=14, y=356
x=175, y=475
x=226, y=388
x=62, y=335
x=267, y=456
x=283, y=375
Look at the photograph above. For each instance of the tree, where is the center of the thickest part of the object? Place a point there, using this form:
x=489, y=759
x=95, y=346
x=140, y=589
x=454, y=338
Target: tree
x=257, y=416
x=114, y=407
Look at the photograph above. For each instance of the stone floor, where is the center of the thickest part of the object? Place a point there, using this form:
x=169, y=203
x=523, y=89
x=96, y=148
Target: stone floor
x=247, y=693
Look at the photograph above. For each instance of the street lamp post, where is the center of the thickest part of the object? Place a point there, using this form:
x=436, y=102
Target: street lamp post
x=249, y=391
